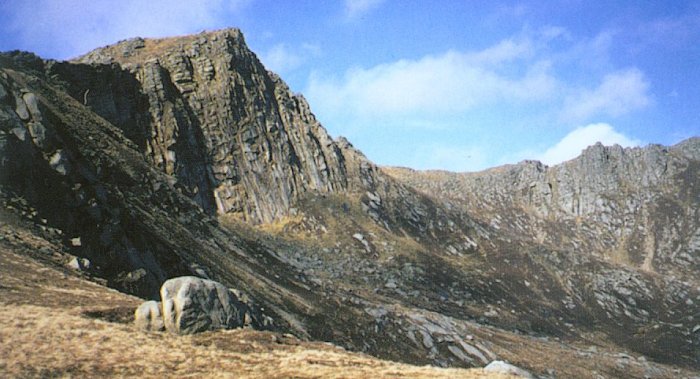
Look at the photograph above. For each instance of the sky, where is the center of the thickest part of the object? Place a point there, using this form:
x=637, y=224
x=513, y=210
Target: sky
x=442, y=84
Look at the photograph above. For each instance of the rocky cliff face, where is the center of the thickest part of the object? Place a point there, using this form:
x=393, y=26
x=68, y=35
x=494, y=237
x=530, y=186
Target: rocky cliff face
x=204, y=110
x=616, y=229
x=88, y=189
x=636, y=206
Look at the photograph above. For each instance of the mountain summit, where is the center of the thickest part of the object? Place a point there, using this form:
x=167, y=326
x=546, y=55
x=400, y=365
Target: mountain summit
x=204, y=110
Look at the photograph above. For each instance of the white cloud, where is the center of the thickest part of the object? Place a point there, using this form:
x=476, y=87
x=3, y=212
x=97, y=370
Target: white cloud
x=573, y=143
x=502, y=90
x=356, y=8
x=280, y=59
x=618, y=93
x=448, y=83
x=66, y=28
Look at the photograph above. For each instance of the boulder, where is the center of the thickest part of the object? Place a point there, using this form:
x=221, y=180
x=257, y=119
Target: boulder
x=192, y=305
x=21, y=109
x=59, y=162
x=149, y=317
x=507, y=368
x=79, y=264
x=32, y=106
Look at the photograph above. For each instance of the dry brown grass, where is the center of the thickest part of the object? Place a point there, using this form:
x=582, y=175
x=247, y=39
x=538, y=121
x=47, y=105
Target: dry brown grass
x=53, y=323
x=40, y=341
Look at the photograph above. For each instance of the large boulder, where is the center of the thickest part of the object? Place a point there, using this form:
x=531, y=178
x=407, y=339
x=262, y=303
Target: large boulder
x=192, y=305
x=149, y=316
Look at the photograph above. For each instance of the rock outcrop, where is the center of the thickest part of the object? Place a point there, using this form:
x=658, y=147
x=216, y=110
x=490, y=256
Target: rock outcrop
x=191, y=305
x=204, y=110
x=635, y=206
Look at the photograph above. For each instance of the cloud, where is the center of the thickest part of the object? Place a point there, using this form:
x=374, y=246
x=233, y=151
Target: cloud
x=356, y=8
x=282, y=59
x=532, y=70
x=452, y=82
x=573, y=143
x=511, y=96
x=66, y=28
x=619, y=93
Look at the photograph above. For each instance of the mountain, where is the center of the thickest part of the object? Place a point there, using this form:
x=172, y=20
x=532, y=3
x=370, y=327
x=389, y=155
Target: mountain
x=150, y=159
x=637, y=206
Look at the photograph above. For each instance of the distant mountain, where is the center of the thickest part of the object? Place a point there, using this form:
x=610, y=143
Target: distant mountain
x=150, y=159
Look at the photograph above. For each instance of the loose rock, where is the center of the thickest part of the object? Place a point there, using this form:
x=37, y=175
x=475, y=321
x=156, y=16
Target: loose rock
x=507, y=368
x=149, y=316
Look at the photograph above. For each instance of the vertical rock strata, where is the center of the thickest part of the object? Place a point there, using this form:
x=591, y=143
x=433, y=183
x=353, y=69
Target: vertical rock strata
x=235, y=137
x=635, y=206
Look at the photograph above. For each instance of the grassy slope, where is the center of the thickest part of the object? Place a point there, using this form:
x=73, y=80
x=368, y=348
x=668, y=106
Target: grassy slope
x=55, y=323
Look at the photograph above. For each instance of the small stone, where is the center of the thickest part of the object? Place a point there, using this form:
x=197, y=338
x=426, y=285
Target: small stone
x=74, y=264
x=427, y=339
x=79, y=264
x=38, y=133
x=508, y=369
x=491, y=313
x=32, y=105
x=59, y=162
x=20, y=132
x=75, y=242
x=21, y=109
x=149, y=317
x=85, y=263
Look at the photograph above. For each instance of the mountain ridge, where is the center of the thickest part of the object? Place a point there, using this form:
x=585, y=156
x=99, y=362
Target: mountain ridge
x=608, y=186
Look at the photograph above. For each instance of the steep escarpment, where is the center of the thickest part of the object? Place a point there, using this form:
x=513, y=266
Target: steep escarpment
x=635, y=206
x=204, y=110
x=89, y=184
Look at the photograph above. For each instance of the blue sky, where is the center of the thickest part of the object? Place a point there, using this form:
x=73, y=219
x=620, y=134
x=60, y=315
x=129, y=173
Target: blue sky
x=457, y=85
